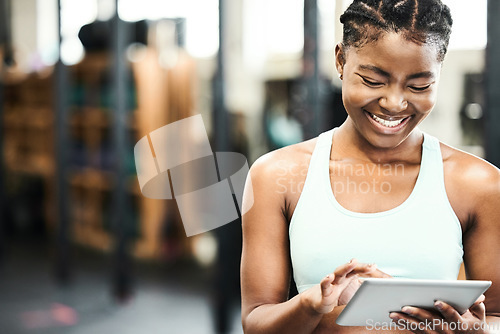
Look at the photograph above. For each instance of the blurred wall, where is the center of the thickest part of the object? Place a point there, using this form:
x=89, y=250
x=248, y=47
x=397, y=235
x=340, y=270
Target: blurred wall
x=444, y=121
x=245, y=77
x=24, y=27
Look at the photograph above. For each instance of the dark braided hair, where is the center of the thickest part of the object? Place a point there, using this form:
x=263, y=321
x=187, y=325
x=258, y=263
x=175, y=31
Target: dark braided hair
x=420, y=21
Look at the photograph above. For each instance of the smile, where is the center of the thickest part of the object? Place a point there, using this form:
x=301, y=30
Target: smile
x=386, y=123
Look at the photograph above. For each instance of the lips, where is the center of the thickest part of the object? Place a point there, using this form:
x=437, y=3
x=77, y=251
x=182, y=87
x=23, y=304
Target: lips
x=388, y=126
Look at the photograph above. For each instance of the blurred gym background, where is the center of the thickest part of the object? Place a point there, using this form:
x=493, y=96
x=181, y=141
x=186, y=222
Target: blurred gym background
x=81, y=81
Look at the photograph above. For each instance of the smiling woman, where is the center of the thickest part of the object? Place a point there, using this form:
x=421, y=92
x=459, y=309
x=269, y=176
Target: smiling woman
x=387, y=96
x=414, y=223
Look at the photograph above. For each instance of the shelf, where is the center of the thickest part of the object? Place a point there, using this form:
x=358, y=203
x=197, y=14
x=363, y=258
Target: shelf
x=29, y=148
x=41, y=118
x=92, y=117
x=92, y=178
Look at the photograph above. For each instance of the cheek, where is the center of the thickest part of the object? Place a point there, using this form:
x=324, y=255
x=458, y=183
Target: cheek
x=358, y=97
x=425, y=104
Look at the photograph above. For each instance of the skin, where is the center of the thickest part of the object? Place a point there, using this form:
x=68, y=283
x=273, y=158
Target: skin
x=400, y=82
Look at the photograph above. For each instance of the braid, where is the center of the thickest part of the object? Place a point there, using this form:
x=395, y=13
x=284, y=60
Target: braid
x=421, y=21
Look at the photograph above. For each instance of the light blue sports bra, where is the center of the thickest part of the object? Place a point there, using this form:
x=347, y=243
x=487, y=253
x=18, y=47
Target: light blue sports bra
x=420, y=238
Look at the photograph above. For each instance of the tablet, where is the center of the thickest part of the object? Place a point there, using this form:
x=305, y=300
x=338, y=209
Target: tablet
x=377, y=297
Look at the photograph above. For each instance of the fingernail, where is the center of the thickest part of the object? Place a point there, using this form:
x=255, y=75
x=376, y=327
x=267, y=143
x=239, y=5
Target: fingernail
x=439, y=305
x=393, y=316
x=327, y=276
x=351, y=260
x=407, y=310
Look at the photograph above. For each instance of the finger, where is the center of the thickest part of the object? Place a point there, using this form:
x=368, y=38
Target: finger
x=448, y=312
x=480, y=299
x=382, y=274
x=478, y=310
x=408, y=322
x=326, y=284
x=327, y=280
x=373, y=271
x=350, y=289
x=341, y=272
x=420, y=313
x=369, y=269
x=365, y=270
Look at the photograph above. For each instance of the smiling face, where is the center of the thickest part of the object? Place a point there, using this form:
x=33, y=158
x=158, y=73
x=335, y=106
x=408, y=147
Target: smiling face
x=389, y=87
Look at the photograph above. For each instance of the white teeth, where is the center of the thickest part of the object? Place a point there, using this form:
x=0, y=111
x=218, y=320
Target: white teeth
x=389, y=124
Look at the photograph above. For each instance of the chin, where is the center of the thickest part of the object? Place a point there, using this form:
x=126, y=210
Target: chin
x=386, y=144
x=386, y=141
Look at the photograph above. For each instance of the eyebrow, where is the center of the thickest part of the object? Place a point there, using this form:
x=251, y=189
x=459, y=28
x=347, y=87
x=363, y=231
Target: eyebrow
x=425, y=74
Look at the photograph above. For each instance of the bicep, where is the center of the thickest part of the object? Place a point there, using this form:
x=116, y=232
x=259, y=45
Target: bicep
x=265, y=264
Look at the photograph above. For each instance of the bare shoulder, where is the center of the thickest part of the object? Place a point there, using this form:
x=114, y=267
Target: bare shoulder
x=470, y=172
x=277, y=177
x=284, y=161
x=472, y=185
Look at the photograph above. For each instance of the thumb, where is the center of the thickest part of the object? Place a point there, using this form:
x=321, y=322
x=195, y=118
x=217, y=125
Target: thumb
x=478, y=309
x=326, y=284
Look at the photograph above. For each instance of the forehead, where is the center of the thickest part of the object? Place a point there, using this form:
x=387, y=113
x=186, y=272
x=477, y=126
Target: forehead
x=395, y=54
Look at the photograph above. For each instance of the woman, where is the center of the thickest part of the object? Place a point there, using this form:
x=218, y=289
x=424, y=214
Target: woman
x=376, y=189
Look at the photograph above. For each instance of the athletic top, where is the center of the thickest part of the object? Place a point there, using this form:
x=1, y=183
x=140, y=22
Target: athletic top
x=420, y=238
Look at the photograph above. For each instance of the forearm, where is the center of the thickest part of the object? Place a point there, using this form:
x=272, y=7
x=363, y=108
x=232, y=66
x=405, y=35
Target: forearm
x=292, y=316
x=328, y=325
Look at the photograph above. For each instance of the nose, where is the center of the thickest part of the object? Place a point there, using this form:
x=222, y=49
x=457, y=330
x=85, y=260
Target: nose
x=393, y=101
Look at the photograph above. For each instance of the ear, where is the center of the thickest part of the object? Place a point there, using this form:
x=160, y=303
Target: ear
x=339, y=59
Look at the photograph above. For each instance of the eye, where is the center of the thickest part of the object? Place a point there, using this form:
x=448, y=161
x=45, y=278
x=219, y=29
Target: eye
x=419, y=88
x=371, y=83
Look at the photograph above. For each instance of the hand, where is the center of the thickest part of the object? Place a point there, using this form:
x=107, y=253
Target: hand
x=338, y=287
x=444, y=319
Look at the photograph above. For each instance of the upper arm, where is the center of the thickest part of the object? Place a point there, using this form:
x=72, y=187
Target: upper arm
x=265, y=264
x=482, y=240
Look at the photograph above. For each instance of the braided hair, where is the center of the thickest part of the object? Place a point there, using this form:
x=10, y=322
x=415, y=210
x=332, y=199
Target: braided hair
x=420, y=21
